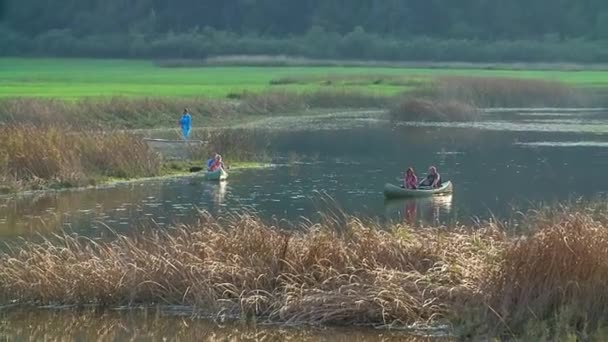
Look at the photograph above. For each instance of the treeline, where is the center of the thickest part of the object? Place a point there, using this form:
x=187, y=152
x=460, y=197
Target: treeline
x=315, y=44
x=471, y=19
x=465, y=30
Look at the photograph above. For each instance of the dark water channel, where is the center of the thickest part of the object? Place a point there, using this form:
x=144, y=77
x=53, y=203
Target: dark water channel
x=508, y=160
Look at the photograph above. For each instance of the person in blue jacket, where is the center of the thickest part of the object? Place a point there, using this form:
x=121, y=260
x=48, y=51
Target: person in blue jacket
x=185, y=122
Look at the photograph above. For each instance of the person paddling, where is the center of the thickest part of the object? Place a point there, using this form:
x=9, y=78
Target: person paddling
x=185, y=122
x=211, y=161
x=433, y=179
x=217, y=164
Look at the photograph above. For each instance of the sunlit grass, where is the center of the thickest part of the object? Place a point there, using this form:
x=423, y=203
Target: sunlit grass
x=483, y=279
x=76, y=78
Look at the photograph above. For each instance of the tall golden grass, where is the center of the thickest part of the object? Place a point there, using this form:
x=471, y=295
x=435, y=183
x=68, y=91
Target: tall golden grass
x=507, y=92
x=124, y=112
x=119, y=112
x=461, y=98
x=423, y=109
x=339, y=272
x=32, y=156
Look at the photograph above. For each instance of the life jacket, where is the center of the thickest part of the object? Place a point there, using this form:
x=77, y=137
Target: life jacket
x=216, y=165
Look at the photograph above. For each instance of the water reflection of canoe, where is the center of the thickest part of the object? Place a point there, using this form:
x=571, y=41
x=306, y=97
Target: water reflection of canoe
x=218, y=175
x=394, y=191
x=443, y=202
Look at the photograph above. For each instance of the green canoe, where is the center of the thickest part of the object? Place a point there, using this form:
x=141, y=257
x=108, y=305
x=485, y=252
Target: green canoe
x=394, y=191
x=218, y=175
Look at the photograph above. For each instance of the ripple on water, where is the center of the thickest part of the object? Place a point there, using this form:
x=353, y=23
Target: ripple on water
x=603, y=144
x=598, y=127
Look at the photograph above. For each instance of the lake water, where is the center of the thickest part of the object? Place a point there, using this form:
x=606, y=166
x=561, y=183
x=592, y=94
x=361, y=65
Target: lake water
x=156, y=325
x=508, y=160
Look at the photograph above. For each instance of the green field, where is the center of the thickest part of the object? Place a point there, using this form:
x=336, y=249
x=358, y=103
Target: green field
x=77, y=78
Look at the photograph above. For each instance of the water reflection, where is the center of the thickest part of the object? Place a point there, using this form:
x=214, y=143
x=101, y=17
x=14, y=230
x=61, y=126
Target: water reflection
x=155, y=326
x=490, y=169
x=429, y=210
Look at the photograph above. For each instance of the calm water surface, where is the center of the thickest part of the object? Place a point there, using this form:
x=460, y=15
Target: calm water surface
x=48, y=325
x=505, y=161
x=509, y=160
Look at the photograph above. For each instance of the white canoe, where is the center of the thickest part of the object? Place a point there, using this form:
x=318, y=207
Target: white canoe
x=394, y=191
x=218, y=175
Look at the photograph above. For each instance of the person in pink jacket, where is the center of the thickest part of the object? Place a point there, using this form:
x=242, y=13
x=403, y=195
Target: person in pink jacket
x=410, y=181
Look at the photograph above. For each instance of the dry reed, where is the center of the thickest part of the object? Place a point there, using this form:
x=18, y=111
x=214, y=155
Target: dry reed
x=33, y=156
x=245, y=267
x=123, y=112
x=340, y=272
x=460, y=98
x=506, y=92
x=422, y=109
x=120, y=112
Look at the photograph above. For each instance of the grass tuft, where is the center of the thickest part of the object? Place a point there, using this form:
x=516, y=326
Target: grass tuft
x=37, y=157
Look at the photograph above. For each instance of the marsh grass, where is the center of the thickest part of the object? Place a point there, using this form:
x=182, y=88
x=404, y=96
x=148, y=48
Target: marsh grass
x=462, y=98
x=118, y=112
x=340, y=271
x=235, y=145
x=425, y=109
x=506, y=92
x=125, y=112
x=37, y=157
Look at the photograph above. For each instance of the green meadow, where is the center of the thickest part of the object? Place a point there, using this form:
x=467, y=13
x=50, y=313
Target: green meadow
x=79, y=78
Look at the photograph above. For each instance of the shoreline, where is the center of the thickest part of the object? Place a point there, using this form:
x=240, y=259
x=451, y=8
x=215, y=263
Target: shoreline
x=241, y=166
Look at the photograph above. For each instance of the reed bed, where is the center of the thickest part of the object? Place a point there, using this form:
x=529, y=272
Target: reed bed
x=37, y=157
x=507, y=92
x=117, y=112
x=462, y=98
x=338, y=272
x=423, y=109
x=124, y=112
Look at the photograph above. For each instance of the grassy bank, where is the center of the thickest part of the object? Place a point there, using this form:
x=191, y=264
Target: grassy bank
x=342, y=271
x=53, y=157
x=137, y=94
x=442, y=99
x=129, y=113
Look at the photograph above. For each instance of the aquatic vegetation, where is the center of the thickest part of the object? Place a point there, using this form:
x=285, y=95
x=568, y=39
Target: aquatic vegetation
x=342, y=271
x=453, y=98
x=487, y=92
x=422, y=109
x=52, y=156
x=126, y=112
